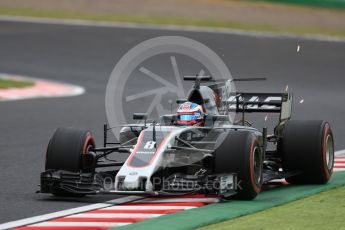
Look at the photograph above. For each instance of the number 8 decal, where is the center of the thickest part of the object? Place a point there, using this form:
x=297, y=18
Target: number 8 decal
x=150, y=145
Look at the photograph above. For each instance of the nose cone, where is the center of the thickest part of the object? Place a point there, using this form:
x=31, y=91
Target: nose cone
x=131, y=182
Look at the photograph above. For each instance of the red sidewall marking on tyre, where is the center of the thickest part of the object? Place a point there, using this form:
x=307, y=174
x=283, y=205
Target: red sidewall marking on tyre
x=89, y=140
x=256, y=188
x=324, y=150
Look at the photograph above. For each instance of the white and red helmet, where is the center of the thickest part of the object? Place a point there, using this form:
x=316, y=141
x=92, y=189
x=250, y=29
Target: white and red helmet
x=190, y=114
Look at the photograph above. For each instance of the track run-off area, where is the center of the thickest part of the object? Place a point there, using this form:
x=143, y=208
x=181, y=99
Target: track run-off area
x=133, y=209
x=85, y=55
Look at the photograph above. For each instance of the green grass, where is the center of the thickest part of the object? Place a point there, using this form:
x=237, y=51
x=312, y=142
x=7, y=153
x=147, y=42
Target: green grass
x=5, y=84
x=325, y=210
x=334, y=4
x=180, y=21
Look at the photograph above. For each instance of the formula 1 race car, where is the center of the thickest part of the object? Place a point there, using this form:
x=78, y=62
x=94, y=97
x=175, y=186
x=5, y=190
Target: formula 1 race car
x=223, y=157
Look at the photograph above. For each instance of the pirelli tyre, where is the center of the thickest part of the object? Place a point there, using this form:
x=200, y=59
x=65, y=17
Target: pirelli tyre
x=307, y=147
x=240, y=152
x=65, y=150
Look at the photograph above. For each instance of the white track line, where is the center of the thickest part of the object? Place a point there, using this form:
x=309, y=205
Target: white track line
x=178, y=200
x=339, y=159
x=76, y=22
x=79, y=224
x=147, y=207
x=114, y=215
x=67, y=212
x=340, y=152
x=338, y=169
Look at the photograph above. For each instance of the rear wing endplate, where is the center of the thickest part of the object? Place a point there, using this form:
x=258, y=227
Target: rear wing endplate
x=261, y=103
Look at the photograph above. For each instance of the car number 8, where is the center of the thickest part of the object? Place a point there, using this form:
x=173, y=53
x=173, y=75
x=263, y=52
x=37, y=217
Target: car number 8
x=150, y=145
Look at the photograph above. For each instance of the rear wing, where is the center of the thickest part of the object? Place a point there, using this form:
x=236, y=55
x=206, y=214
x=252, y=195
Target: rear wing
x=226, y=101
x=261, y=103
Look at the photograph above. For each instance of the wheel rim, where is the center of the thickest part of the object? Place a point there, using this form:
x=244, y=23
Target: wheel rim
x=89, y=148
x=257, y=165
x=329, y=152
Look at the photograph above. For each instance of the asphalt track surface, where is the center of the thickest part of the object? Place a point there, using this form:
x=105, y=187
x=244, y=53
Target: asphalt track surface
x=86, y=56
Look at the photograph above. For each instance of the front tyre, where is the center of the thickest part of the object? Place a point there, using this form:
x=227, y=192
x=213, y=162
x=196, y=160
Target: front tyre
x=65, y=150
x=240, y=152
x=307, y=147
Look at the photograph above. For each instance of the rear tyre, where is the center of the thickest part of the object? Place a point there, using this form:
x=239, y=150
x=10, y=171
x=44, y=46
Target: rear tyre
x=240, y=152
x=65, y=150
x=308, y=147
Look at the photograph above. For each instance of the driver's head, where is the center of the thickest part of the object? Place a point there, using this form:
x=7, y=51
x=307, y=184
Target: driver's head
x=190, y=114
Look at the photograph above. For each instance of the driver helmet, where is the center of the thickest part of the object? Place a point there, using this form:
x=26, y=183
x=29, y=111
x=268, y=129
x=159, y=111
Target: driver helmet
x=190, y=114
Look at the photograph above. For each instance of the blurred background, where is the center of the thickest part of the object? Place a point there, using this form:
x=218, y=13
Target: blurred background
x=311, y=17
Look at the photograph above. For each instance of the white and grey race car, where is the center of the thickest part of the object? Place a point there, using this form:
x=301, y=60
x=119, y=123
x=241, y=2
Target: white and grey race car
x=224, y=157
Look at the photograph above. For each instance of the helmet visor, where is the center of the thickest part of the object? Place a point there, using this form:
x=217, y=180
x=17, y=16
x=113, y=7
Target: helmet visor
x=187, y=117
